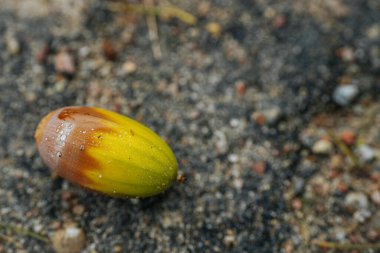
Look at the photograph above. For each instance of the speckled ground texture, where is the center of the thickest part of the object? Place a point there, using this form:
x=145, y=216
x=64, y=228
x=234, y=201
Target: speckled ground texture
x=271, y=108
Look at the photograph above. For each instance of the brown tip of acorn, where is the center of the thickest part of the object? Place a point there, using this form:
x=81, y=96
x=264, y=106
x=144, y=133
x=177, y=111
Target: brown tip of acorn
x=41, y=126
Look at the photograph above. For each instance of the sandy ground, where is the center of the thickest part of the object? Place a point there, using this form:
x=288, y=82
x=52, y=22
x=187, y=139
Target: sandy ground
x=271, y=108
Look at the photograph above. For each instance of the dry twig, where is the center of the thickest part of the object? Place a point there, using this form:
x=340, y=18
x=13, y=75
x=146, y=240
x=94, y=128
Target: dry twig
x=347, y=246
x=23, y=232
x=345, y=150
x=167, y=11
x=153, y=31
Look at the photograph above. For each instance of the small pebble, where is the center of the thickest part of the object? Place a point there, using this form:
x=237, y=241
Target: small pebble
x=375, y=176
x=272, y=115
x=204, y=8
x=336, y=162
x=13, y=46
x=167, y=221
x=70, y=239
x=361, y=215
x=238, y=183
x=348, y=137
x=322, y=147
x=129, y=67
x=356, y=200
x=233, y=158
x=43, y=53
x=229, y=238
x=373, y=32
x=235, y=122
x=78, y=209
x=321, y=186
x=30, y=96
x=347, y=54
x=296, y=204
x=299, y=185
x=374, y=223
x=259, y=168
x=340, y=233
x=365, y=153
x=258, y=118
x=38, y=228
x=373, y=235
x=84, y=51
x=55, y=225
x=279, y=21
x=344, y=94
x=135, y=201
x=117, y=248
x=342, y=187
x=221, y=143
x=240, y=88
x=109, y=50
x=64, y=63
x=214, y=29
x=375, y=197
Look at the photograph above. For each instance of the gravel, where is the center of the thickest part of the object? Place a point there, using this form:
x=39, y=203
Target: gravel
x=241, y=97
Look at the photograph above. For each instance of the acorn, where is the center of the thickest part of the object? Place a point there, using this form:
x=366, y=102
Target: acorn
x=105, y=152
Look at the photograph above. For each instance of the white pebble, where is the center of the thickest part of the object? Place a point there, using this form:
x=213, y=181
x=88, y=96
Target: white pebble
x=365, y=153
x=343, y=95
x=322, y=147
x=233, y=158
x=357, y=200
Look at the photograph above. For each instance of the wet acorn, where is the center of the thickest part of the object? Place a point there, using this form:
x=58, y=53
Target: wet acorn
x=105, y=152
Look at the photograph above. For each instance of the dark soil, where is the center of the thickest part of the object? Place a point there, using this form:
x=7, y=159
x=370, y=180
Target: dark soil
x=242, y=102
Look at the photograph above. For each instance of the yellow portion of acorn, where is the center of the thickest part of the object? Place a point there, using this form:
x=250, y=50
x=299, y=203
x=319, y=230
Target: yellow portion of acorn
x=142, y=163
x=105, y=152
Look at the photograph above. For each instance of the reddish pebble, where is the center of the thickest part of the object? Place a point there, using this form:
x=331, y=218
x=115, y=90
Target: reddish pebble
x=259, y=168
x=42, y=55
x=109, y=50
x=342, y=187
x=375, y=176
x=78, y=209
x=286, y=149
x=259, y=118
x=296, y=204
x=348, y=137
x=64, y=63
x=373, y=235
x=334, y=174
x=345, y=53
x=279, y=21
x=181, y=179
x=240, y=88
x=353, y=238
x=375, y=197
x=55, y=225
x=66, y=195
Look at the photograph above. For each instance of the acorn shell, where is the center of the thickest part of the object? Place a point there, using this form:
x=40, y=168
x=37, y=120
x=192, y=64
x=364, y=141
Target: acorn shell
x=105, y=152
